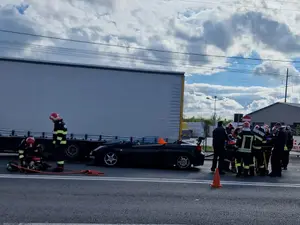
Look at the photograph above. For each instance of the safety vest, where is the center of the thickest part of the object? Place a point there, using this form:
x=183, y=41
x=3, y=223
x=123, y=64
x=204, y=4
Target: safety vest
x=60, y=133
x=245, y=141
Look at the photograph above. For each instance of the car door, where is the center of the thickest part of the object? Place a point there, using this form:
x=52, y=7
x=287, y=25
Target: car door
x=146, y=155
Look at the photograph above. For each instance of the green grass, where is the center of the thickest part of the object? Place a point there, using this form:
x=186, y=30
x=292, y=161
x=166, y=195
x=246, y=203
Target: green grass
x=208, y=148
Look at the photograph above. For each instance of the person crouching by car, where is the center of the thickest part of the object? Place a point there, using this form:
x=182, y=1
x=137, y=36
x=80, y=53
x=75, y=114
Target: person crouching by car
x=27, y=150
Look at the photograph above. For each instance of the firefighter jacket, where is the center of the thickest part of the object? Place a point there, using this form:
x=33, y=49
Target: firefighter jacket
x=25, y=151
x=268, y=144
x=245, y=140
x=60, y=133
x=259, y=139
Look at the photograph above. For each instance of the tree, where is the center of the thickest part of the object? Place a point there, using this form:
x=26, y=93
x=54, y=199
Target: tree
x=297, y=130
x=208, y=122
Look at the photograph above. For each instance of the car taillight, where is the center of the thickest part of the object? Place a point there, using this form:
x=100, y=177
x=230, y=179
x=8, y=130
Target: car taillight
x=199, y=148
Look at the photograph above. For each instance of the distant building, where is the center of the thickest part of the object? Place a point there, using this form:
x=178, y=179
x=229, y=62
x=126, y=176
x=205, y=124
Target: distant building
x=285, y=113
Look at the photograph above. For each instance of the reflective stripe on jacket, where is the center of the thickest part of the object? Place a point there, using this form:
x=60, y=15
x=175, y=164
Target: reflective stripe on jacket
x=60, y=133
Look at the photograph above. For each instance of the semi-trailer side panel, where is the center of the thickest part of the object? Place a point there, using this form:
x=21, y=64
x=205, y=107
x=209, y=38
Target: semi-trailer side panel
x=92, y=100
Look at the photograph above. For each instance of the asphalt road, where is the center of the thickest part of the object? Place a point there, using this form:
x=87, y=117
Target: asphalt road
x=201, y=173
x=149, y=196
x=83, y=201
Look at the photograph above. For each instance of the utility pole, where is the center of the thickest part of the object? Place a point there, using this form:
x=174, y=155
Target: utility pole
x=215, y=110
x=286, y=84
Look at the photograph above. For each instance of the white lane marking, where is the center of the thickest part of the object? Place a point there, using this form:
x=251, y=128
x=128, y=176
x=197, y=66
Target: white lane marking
x=149, y=180
x=85, y=224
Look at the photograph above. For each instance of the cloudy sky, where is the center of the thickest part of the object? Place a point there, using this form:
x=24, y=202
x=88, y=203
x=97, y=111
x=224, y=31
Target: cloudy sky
x=237, y=50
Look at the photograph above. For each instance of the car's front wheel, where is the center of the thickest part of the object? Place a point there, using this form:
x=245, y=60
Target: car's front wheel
x=110, y=159
x=183, y=162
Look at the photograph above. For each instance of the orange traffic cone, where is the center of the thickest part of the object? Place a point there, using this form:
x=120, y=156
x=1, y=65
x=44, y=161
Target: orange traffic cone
x=216, y=181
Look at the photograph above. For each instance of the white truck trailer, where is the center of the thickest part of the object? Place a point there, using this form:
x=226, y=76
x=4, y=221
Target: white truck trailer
x=97, y=103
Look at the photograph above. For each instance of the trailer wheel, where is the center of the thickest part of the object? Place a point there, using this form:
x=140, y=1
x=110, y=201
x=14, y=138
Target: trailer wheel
x=41, y=147
x=72, y=151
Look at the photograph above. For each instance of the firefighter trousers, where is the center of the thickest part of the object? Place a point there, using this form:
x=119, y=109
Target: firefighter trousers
x=59, y=155
x=244, y=164
x=262, y=163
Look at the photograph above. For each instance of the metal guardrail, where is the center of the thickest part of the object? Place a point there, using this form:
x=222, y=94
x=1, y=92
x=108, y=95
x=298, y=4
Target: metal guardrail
x=82, y=137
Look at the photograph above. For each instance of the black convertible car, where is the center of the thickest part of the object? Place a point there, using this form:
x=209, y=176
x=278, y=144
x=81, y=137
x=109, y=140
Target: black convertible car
x=179, y=154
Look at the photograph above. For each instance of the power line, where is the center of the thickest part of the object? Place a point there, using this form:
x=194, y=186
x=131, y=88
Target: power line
x=231, y=3
x=9, y=44
x=145, y=49
x=63, y=51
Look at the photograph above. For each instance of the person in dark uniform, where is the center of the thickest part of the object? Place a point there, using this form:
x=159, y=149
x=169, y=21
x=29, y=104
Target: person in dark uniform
x=258, y=150
x=279, y=141
x=288, y=147
x=59, y=141
x=244, y=156
x=219, y=138
x=268, y=146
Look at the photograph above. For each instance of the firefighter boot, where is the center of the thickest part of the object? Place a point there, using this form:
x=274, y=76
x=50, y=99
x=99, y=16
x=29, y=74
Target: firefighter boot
x=262, y=172
x=239, y=171
x=252, y=171
x=59, y=169
x=246, y=172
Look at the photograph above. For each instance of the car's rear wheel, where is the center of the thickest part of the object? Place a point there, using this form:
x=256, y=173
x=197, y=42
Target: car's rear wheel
x=110, y=159
x=183, y=162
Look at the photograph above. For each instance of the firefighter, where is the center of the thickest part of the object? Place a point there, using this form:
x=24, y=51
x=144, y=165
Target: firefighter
x=236, y=131
x=258, y=149
x=279, y=140
x=229, y=129
x=27, y=150
x=59, y=141
x=288, y=147
x=244, y=157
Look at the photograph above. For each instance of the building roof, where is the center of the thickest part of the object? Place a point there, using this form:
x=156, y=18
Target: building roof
x=276, y=103
x=91, y=66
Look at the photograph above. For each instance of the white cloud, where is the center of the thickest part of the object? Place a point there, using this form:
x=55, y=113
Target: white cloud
x=201, y=27
x=199, y=101
x=277, y=70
